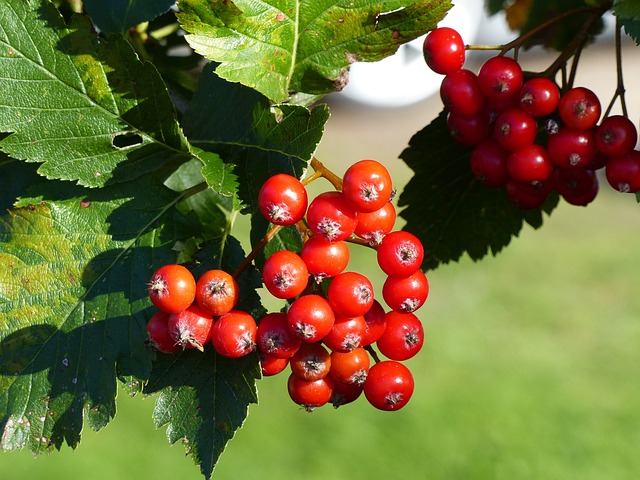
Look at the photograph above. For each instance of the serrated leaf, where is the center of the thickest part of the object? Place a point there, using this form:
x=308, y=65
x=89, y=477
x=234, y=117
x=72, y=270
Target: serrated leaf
x=255, y=139
x=121, y=15
x=450, y=211
x=74, y=264
x=282, y=47
x=628, y=13
x=204, y=398
x=85, y=107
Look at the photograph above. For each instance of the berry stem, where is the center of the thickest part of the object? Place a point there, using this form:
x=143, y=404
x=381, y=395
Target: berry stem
x=272, y=232
x=620, y=90
x=373, y=353
x=320, y=168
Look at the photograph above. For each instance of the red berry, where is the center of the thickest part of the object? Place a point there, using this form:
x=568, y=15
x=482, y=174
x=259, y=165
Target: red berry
x=324, y=259
x=172, y=288
x=190, y=328
x=311, y=362
x=234, y=334
x=515, y=129
x=460, y=93
x=400, y=254
x=444, y=50
x=350, y=294
x=403, y=337
x=367, y=185
x=375, y=320
x=500, y=78
x=469, y=131
x=623, y=173
x=283, y=199
x=373, y=226
x=406, y=294
x=310, y=395
x=526, y=196
x=271, y=366
x=488, y=164
x=616, y=136
x=530, y=165
x=274, y=338
x=539, y=96
x=285, y=274
x=350, y=367
x=389, y=385
x=158, y=331
x=346, y=334
x=571, y=148
x=331, y=217
x=577, y=186
x=217, y=292
x=579, y=108
x=310, y=318
x=344, y=393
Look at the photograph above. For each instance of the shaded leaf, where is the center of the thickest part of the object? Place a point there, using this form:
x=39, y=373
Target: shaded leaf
x=450, y=211
x=628, y=12
x=121, y=15
x=86, y=108
x=73, y=304
x=282, y=47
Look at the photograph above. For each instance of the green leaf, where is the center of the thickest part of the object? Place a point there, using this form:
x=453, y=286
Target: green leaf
x=254, y=139
x=451, y=211
x=204, y=398
x=282, y=47
x=628, y=13
x=74, y=264
x=86, y=108
x=121, y=15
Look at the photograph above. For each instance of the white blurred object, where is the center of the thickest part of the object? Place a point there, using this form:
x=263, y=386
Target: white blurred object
x=404, y=78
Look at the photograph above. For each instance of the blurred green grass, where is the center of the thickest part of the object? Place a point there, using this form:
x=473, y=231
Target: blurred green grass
x=529, y=371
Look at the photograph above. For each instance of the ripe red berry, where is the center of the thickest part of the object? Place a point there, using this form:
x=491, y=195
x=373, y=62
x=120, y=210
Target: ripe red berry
x=190, y=328
x=158, y=331
x=283, y=199
x=406, y=294
x=234, y=334
x=616, y=136
x=373, y=226
x=488, y=163
x=500, y=78
x=403, y=337
x=579, y=108
x=515, y=129
x=324, y=259
x=350, y=294
x=346, y=334
x=460, y=93
x=623, y=173
x=271, y=366
x=530, y=165
x=444, y=50
x=400, y=254
x=310, y=395
x=367, y=185
x=331, y=217
x=570, y=148
x=375, y=320
x=539, y=96
x=217, y=292
x=311, y=362
x=310, y=318
x=526, y=196
x=389, y=385
x=285, y=274
x=350, y=367
x=172, y=288
x=344, y=393
x=577, y=186
x=274, y=338
x=469, y=131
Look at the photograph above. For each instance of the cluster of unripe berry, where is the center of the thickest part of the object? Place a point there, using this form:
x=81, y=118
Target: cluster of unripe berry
x=327, y=332
x=527, y=135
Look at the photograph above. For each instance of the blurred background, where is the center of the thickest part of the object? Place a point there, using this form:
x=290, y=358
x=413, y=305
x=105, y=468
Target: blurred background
x=530, y=365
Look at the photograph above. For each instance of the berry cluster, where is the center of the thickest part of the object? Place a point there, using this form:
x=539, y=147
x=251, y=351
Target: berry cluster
x=332, y=320
x=527, y=135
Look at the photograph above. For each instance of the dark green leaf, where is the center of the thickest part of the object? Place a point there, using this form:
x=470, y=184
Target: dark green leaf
x=628, y=13
x=121, y=15
x=86, y=108
x=284, y=47
x=74, y=264
x=451, y=211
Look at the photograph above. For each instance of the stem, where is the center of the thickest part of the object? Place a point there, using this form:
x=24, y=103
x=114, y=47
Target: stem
x=373, y=353
x=272, y=232
x=620, y=90
x=334, y=179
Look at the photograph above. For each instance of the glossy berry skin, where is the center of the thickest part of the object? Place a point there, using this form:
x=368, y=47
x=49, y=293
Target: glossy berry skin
x=539, y=96
x=500, y=78
x=526, y=196
x=375, y=320
x=623, y=173
x=172, y=288
x=616, y=136
x=310, y=318
x=346, y=334
x=460, y=93
x=579, y=108
x=274, y=338
x=530, y=165
x=488, y=163
x=400, y=254
x=190, y=328
x=577, y=186
x=367, y=185
x=311, y=362
x=234, y=334
x=350, y=294
x=373, y=226
x=350, y=367
x=271, y=366
x=515, y=129
x=324, y=259
x=158, y=331
x=331, y=217
x=403, y=338
x=285, y=274
x=469, y=131
x=344, y=393
x=443, y=50
x=310, y=395
x=570, y=148
x=283, y=199
x=406, y=294
x=217, y=292
x=389, y=385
